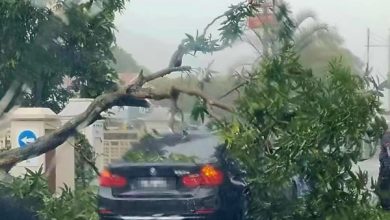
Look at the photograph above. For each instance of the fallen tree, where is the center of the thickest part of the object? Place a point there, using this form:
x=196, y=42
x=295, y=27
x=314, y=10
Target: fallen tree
x=135, y=94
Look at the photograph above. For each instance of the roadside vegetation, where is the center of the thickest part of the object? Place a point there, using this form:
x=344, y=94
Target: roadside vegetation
x=286, y=118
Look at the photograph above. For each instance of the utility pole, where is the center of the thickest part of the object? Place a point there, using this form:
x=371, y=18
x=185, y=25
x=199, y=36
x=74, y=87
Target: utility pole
x=388, y=61
x=368, y=50
x=385, y=84
x=388, y=68
x=387, y=45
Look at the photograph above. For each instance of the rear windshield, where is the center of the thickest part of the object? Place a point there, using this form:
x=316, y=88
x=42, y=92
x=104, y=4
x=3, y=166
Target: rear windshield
x=192, y=147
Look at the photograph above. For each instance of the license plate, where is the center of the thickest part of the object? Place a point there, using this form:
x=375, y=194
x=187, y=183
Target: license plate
x=152, y=183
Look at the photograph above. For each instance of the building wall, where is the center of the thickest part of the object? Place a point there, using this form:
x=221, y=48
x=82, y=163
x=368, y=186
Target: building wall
x=65, y=165
x=57, y=164
x=35, y=163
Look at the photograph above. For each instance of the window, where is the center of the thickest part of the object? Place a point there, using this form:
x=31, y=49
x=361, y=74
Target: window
x=114, y=150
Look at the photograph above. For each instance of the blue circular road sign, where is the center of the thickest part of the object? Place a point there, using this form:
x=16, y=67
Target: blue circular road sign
x=26, y=137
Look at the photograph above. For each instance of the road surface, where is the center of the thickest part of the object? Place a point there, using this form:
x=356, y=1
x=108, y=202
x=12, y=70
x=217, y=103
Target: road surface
x=371, y=166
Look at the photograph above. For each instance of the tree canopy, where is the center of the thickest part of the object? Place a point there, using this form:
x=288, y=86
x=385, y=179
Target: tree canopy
x=43, y=43
x=291, y=123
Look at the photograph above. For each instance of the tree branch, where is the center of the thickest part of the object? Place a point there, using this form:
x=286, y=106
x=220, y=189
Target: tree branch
x=165, y=72
x=53, y=140
x=383, y=85
x=209, y=101
x=214, y=116
x=211, y=23
x=150, y=94
x=9, y=95
x=133, y=92
x=88, y=161
x=233, y=89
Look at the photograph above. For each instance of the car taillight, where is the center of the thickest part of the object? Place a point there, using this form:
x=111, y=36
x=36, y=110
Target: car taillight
x=107, y=179
x=208, y=176
x=192, y=181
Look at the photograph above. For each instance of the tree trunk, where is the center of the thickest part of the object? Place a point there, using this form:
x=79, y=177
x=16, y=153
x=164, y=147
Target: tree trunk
x=37, y=94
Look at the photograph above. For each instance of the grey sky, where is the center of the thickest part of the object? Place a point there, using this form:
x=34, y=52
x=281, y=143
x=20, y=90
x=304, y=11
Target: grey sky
x=352, y=18
x=151, y=29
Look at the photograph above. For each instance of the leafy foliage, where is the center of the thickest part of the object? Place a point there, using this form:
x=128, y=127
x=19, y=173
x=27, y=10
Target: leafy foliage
x=67, y=205
x=232, y=27
x=146, y=150
x=199, y=110
x=154, y=157
x=41, y=45
x=84, y=157
x=291, y=123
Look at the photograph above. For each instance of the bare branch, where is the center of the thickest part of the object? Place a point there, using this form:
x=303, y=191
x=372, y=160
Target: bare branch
x=165, y=72
x=151, y=94
x=88, y=161
x=233, y=89
x=9, y=95
x=174, y=109
x=177, y=57
x=198, y=93
x=53, y=140
x=219, y=17
x=134, y=92
x=214, y=116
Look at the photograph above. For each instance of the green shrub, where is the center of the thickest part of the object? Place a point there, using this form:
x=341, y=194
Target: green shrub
x=33, y=188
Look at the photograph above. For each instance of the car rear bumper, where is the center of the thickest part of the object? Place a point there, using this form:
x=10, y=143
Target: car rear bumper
x=154, y=218
x=213, y=217
x=204, y=204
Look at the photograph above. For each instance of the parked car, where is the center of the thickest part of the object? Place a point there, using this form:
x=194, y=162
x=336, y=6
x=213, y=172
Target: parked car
x=174, y=176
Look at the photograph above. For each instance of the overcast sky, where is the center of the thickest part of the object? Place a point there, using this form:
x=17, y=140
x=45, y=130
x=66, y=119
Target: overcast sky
x=151, y=29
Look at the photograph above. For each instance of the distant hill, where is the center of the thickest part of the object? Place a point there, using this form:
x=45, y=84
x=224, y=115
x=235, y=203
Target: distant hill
x=125, y=63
